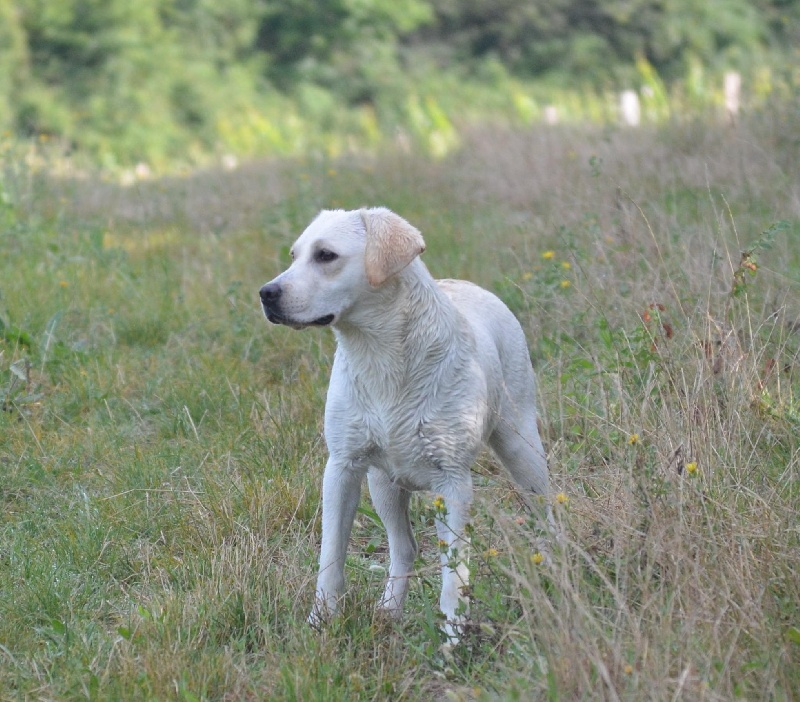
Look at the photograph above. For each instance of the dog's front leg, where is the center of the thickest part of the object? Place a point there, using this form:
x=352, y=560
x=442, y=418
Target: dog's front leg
x=341, y=491
x=391, y=503
x=454, y=546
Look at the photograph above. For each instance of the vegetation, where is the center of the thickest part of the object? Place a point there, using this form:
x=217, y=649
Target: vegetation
x=178, y=82
x=161, y=449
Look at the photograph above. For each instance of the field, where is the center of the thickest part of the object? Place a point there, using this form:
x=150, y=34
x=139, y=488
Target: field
x=161, y=445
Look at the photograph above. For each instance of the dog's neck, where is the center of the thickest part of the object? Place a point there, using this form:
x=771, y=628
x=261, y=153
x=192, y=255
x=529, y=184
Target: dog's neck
x=393, y=338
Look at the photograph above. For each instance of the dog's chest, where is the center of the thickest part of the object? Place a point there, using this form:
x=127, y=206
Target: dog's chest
x=418, y=422
x=418, y=450
x=418, y=460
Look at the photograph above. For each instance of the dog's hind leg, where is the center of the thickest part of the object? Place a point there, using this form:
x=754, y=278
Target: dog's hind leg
x=520, y=450
x=391, y=503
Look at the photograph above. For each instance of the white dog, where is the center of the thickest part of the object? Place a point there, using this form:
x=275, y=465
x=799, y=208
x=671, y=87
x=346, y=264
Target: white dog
x=425, y=372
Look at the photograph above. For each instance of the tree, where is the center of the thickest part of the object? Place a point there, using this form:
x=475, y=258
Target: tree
x=12, y=60
x=348, y=46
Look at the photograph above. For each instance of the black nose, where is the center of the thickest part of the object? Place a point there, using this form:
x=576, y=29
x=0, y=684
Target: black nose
x=270, y=293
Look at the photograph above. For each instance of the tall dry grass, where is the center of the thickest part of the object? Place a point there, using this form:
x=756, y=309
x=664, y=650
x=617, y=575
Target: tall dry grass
x=162, y=461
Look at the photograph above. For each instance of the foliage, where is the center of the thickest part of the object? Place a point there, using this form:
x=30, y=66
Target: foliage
x=169, y=82
x=595, y=39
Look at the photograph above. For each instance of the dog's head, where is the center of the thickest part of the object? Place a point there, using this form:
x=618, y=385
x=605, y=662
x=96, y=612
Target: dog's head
x=340, y=258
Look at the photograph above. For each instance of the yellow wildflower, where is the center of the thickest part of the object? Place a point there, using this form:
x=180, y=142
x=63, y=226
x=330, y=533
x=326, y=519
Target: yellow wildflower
x=537, y=558
x=63, y=283
x=565, y=283
x=548, y=255
x=566, y=265
x=490, y=553
x=691, y=468
x=633, y=439
x=562, y=498
x=438, y=503
x=527, y=275
x=628, y=669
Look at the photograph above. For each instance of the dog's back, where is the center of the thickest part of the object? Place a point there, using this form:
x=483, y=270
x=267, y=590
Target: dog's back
x=498, y=335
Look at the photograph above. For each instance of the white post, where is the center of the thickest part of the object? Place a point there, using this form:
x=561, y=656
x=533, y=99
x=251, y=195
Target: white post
x=630, y=108
x=733, y=91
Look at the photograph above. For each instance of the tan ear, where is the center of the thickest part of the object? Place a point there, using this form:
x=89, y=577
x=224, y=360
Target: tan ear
x=392, y=243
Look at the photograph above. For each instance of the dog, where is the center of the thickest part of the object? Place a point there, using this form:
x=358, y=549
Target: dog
x=425, y=373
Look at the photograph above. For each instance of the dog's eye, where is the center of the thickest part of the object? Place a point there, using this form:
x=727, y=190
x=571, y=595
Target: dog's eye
x=325, y=256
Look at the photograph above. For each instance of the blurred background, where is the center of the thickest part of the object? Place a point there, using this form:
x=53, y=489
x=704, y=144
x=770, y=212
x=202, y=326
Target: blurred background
x=168, y=84
x=623, y=174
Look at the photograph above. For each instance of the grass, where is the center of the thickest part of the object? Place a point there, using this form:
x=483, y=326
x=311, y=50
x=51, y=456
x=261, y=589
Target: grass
x=161, y=446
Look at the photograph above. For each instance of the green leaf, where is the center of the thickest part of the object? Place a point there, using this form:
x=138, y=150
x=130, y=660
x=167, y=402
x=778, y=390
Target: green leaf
x=768, y=235
x=793, y=634
x=15, y=335
x=767, y=238
x=371, y=514
x=58, y=626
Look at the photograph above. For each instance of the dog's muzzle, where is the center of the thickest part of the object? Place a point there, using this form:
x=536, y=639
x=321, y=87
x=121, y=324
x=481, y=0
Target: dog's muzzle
x=270, y=295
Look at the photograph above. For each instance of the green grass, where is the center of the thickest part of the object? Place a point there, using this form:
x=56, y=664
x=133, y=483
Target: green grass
x=161, y=446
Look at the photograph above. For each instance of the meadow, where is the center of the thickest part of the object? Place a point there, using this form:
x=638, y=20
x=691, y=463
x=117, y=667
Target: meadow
x=161, y=445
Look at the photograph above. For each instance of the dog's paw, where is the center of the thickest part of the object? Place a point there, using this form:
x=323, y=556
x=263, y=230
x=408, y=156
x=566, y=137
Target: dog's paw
x=452, y=630
x=319, y=617
x=446, y=649
x=390, y=606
